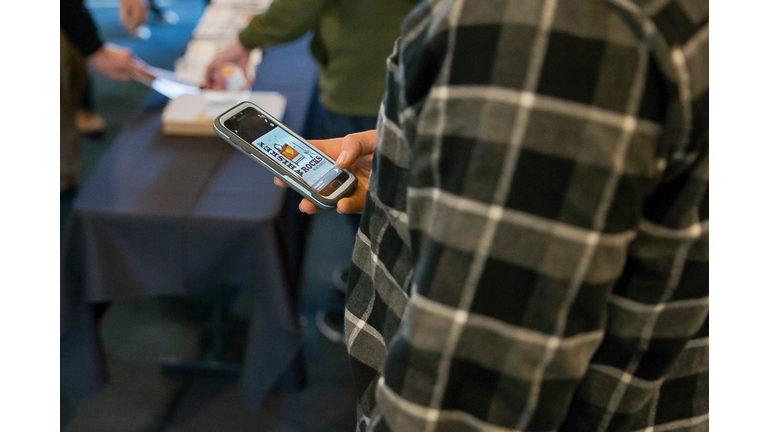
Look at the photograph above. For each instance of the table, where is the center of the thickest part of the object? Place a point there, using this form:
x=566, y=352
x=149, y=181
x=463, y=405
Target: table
x=167, y=215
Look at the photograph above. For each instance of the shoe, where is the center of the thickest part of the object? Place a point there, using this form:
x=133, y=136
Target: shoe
x=330, y=328
x=89, y=123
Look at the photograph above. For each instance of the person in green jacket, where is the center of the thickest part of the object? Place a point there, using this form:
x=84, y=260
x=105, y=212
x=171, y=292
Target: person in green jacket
x=351, y=42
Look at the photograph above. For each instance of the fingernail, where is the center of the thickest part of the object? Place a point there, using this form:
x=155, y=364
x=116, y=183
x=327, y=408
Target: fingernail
x=342, y=158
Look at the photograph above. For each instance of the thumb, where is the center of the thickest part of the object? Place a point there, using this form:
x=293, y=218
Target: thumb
x=354, y=146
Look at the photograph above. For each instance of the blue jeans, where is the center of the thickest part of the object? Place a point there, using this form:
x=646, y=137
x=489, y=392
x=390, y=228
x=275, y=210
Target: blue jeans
x=322, y=123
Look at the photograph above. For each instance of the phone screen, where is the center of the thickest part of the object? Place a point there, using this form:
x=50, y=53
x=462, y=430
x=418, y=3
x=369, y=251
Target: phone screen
x=302, y=161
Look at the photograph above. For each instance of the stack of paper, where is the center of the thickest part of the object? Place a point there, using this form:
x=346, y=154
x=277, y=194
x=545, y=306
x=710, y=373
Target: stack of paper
x=219, y=25
x=193, y=114
x=220, y=22
x=191, y=67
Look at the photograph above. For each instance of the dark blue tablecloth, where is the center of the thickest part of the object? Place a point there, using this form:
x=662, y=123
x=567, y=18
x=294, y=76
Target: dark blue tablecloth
x=165, y=215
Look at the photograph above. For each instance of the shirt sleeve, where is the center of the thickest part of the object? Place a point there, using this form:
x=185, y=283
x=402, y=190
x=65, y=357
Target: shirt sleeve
x=77, y=24
x=284, y=21
x=536, y=184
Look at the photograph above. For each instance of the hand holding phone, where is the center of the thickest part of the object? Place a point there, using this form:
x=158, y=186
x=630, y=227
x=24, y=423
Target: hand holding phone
x=305, y=168
x=357, y=150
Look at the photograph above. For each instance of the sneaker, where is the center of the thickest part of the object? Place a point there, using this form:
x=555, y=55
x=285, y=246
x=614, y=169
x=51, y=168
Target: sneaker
x=330, y=328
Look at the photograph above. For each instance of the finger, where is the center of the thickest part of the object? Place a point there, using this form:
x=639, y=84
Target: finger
x=279, y=182
x=208, y=79
x=131, y=20
x=141, y=17
x=349, y=205
x=124, y=18
x=123, y=51
x=219, y=83
x=140, y=71
x=307, y=207
x=210, y=74
x=123, y=72
x=355, y=145
x=140, y=74
x=350, y=151
x=243, y=65
x=326, y=146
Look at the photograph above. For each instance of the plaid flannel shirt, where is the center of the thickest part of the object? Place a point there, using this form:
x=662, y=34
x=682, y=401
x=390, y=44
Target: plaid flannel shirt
x=533, y=254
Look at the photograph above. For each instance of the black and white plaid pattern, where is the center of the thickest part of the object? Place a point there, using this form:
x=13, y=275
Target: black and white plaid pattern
x=533, y=255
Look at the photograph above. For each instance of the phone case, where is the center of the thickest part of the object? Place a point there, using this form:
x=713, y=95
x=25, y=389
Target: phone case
x=287, y=151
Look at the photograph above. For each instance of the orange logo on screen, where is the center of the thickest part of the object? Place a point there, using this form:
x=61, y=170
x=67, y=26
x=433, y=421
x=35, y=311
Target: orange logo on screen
x=287, y=151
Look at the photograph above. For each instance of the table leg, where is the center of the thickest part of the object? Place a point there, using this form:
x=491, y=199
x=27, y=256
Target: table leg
x=214, y=366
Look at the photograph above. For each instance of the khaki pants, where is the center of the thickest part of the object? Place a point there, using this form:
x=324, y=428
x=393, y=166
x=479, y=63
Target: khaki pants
x=74, y=76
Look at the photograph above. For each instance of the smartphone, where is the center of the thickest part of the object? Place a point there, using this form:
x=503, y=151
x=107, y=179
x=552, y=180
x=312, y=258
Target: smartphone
x=288, y=156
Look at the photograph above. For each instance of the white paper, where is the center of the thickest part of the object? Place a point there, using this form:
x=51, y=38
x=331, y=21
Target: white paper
x=219, y=101
x=208, y=104
x=184, y=109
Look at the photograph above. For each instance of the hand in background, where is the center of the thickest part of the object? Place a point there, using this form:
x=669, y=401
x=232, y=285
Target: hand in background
x=133, y=13
x=233, y=53
x=115, y=62
x=353, y=152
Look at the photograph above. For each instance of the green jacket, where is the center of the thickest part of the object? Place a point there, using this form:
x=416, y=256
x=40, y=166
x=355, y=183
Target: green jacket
x=352, y=39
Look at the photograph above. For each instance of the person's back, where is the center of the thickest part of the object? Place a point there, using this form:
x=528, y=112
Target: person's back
x=351, y=41
x=533, y=253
